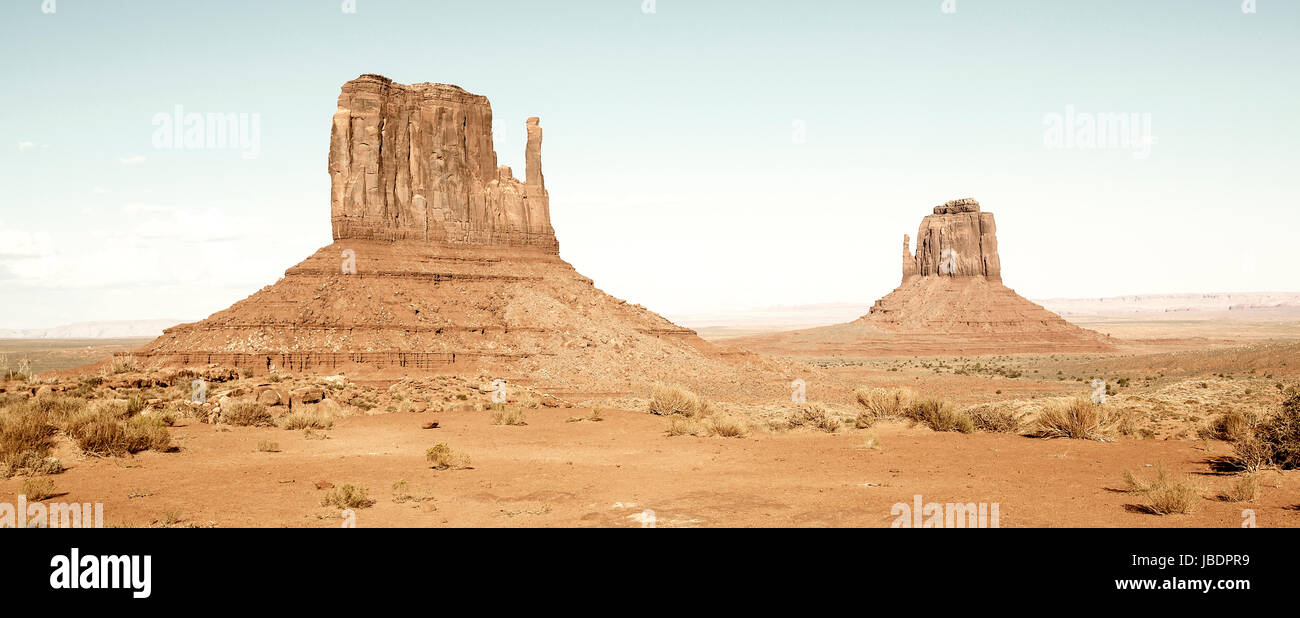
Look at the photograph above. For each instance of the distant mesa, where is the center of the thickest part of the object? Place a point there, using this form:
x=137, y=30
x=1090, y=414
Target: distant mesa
x=442, y=261
x=951, y=301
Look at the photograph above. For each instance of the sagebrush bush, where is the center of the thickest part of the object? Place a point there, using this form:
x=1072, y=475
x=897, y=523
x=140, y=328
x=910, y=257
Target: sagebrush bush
x=679, y=426
x=727, y=427
x=884, y=402
x=1077, y=418
x=995, y=417
x=1232, y=426
x=1165, y=495
x=313, y=419
x=672, y=400
x=26, y=435
x=442, y=457
x=147, y=433
x=97, y=431
x=815, y=416
x=939, y=415
x=58, y=408
x=347, y=497
x=509, y=415
x=1245, y=488
x=246, y=414
x=1281, y=434
x=38, y=488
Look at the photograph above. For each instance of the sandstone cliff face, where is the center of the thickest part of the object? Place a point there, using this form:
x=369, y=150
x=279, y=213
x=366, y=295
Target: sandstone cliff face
x=956, y=241
x=417, y=163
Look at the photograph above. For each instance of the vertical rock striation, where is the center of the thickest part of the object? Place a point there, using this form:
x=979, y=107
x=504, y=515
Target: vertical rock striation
x=956, y=235
x=417, y=163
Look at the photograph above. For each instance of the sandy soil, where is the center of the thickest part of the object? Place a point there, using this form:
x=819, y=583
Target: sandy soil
x=557, y=473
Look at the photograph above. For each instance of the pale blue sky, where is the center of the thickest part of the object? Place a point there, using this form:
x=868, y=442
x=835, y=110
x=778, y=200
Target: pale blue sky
x=676, y=180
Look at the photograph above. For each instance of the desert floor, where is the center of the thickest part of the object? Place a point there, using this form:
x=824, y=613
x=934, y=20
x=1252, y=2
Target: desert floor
x=564, y=469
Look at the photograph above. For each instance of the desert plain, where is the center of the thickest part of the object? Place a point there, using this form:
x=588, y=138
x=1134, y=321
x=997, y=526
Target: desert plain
x=571, y=463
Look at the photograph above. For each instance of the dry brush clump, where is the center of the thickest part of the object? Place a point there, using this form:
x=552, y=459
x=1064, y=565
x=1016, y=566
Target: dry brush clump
x=690, y=414
x=443, y=457
x=26, y=437
x=882, y=403
x=996, y=417
x=1231, y=426
x=1245, y=488
x=814, y=416
x=102, y=430
x=246, y=414
x=38, y=488
x=673, y=400
x=1077, y=418
x=939, y=415
x=509, y=416
x=347, y=497
x=1272, y=442
x=1164, y=494
x=314, y=418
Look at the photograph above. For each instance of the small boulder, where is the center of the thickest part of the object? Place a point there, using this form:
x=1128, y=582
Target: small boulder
x=308, y=394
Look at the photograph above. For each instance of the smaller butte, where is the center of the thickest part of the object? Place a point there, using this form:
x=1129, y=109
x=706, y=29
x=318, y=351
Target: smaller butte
x=951, y=301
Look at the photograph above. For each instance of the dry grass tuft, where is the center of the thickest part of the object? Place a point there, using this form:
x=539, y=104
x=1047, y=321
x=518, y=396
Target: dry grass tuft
x=1077, y=418
x=678, y=426
x=38, y=488
x=1165, y=495
x=267, y=446
x=1246, y=488
x=996, y=417
x=1232, y=426
x=246, y=414
x=26, y=436
x=442, y=457
x=1273, y=442
x=727, y=427
x=100, y=430
x=510, y=416
x=814, y=416
x=347, y=497
x=939, y=415
x=884, y=402
x=672, y=400
x=309, y=419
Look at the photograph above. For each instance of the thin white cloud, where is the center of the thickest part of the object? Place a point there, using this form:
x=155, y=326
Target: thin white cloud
x=24, y=146
x=136, y=160
x=101, y=191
